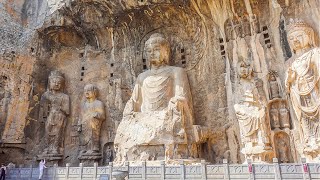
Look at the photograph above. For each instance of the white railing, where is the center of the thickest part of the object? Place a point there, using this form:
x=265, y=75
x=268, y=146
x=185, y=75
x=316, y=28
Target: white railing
x=202, y=171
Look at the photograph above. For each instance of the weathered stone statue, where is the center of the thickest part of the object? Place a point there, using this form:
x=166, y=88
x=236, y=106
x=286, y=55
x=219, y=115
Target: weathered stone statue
x=284, y=116
x=283, y=151
x=158, y=117
x=93, y=114
x=274, y=115
x=55, y=107
x=274, y=89
x=250, y=113
x=302, y=83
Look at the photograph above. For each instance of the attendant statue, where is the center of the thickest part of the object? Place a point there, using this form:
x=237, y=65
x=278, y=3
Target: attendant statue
x=274, y=115
x=93, y=114
x=302, y=83
x=284, y=116
x=250, y=113
x=283, y=151
x=274, y=88
x=55, y=107
x=159, y=116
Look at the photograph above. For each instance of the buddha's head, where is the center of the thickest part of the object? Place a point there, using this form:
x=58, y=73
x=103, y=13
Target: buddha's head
x=157, y=50
x=90, y=92
x=300, y=36
x=245, y=70
x=56, y=81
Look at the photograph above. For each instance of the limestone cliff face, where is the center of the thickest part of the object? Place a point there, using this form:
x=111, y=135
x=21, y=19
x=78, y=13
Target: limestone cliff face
x=101, y=42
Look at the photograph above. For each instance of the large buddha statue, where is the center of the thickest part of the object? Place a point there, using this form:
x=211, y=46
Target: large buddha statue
x=158, y=119
x=302, y=83
x=55, y=107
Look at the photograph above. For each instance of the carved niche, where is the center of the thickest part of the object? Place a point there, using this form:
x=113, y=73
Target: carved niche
x=279, y=114
x=282, y=146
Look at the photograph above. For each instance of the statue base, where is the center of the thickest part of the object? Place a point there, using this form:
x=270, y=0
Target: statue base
x=51, y=159
x=258, y=154
x=312, y=153
x=88, y=159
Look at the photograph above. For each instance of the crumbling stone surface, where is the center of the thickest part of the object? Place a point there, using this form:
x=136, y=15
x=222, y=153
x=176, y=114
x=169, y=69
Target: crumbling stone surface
x=101, y=42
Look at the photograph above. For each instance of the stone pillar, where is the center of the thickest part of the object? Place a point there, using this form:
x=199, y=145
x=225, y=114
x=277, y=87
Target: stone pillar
x=81, y=170
x=110, y=169
x=203, y=170
x=277, y=173
x=226, y=169
x=67, y=170
x=95, y=165
x=55, y=171
x=251, y=169
x=182, y=170
x=144, y=170
x=305, y=169
x=163, y=170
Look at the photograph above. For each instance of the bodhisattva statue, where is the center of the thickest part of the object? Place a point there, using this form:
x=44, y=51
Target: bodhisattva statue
x=93, y=114
x=55, y=107
x=250, y=113
x=302, y=84
x=158, y=118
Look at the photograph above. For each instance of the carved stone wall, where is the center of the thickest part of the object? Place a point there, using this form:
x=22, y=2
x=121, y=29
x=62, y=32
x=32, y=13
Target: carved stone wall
x=101, y=42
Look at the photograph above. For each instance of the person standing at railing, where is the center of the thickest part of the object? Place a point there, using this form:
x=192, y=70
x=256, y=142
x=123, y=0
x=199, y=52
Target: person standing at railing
x=42, y=165
x=3, y=172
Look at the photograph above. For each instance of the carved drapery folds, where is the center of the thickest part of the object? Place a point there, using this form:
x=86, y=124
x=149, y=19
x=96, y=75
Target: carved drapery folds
x=302, y=83
x=55, y=107
x=250, y=113
x=158, y=119
x=93, y=114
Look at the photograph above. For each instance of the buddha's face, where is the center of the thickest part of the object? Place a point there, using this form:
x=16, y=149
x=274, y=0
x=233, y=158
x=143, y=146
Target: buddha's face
x=155, y=52
x=56, y=83
x=89, y=93
x=244, y=71
x=299, y=40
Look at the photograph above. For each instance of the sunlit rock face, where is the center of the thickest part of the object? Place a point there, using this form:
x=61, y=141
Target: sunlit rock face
x=103, y=43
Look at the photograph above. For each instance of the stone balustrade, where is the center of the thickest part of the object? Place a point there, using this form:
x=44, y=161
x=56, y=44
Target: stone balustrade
x=202, y=171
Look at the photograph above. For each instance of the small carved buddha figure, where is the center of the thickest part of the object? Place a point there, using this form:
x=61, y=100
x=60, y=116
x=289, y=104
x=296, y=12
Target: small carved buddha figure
x=93, y=114
x=54, y=109
x=273, y=86
x=283, y=151
x=159, y=113
x=302, y=83
x=274, y=115
x=284, y=116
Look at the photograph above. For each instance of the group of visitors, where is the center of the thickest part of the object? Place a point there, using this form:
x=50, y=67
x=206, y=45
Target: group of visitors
x=42, y=165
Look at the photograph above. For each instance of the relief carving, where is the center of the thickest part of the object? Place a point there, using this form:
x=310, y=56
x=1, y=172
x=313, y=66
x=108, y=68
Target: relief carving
x=250, y=113
x=55, y=107
x=302, y=85
x=93, y=114
x=275, y=90
x=159, y=113
x=5, y=97
x=282, y=143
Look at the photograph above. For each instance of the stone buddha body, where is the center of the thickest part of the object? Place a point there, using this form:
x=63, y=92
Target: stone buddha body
x=93, y=114
x=55, y=107
x=250, y=113
x=302, y=83
x=158, y=118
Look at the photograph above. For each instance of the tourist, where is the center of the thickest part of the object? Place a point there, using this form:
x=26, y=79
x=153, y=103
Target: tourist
x=3, y=172
x=41, y=167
